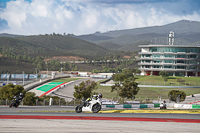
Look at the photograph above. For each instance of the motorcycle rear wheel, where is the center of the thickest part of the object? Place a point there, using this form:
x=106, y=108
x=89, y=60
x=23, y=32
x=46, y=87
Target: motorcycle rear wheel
x=78, y=109
x=96, y=108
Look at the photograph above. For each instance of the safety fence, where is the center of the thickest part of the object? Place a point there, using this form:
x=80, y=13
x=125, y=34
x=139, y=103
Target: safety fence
x=114, y=101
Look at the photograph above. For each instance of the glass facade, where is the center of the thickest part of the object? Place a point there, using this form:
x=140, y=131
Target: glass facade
x=169, y=58
x=174, y=49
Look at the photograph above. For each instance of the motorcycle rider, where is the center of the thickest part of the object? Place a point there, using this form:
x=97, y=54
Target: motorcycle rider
x=100, y=95
x=18, y=98
x=94, y=97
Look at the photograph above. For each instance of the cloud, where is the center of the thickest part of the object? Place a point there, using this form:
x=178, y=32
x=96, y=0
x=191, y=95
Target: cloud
x=78, y=17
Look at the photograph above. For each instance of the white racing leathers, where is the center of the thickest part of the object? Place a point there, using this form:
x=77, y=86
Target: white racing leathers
x=92, y=105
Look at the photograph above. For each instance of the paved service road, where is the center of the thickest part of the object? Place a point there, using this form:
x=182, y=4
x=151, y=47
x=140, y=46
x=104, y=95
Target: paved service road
x=23, y=120
x=67, y=91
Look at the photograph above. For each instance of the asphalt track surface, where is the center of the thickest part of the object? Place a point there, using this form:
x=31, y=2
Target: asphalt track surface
x=58, y=119
x=27, y=119
x=68, y=90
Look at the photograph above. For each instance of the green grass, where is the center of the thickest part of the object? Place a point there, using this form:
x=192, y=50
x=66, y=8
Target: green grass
x=148, y=92
x=172, y=81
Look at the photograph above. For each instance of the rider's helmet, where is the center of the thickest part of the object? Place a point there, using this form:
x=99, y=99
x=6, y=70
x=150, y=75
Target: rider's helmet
x=100, y=95
x=164, y=101
x=21, y=94
x=94, y=97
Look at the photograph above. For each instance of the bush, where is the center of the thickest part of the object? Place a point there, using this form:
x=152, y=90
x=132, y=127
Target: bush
x=176, y=95
x=30, y=99
x=180, y=80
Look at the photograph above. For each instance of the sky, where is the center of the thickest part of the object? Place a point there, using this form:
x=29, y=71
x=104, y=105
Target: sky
x=78, y=17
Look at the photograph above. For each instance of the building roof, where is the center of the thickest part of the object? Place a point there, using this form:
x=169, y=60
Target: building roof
x=160, y=45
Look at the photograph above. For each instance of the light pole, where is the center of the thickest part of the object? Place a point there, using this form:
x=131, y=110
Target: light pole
x=7, y=78
x=61, y=70
x=36, y=73
x=23, y=77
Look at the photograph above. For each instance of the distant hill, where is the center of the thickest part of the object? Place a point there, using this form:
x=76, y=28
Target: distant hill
x=51, y=45
x=9, y=35
x=186, y=33
x=110, y=45
x=93, y=37
x=180, y=27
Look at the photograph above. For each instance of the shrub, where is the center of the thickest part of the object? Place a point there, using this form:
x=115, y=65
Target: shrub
x=180, y=80
x=176, y=95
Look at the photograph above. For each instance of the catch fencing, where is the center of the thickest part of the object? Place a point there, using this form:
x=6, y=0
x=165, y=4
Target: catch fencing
x=113, y=101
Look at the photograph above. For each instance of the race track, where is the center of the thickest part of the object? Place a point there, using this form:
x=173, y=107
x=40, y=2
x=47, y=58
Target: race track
x=28, y=119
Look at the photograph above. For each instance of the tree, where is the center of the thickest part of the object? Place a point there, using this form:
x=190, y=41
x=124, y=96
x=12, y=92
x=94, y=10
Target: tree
x=119, y=77
x=128, y=89
x=164, y=75
x=84, y=89
x=30, y=99
x=126, y=85
x=10, y=90
x=176, y=95
x=126, y=75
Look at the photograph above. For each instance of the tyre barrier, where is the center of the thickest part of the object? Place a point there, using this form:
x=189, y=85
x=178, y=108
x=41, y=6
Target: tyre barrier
x=130, y=106
x=187, y=106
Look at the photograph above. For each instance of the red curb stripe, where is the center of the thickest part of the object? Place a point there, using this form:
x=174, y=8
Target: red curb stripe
x=52, y=89
x=100, y=118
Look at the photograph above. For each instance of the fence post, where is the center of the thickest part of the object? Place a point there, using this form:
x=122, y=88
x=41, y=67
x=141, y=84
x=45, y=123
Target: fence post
x=6, y=101
x=44, y=102
x=145, y=100
x=36, y=102
x=59, y=101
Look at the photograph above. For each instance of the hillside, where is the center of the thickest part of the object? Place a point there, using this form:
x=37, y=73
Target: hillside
x=51, y=45
x=186, y=32
x=180, y=27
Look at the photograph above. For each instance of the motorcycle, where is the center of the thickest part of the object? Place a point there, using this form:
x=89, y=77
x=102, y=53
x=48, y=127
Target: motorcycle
x=163, y=106
x=14, y=103
x=93, y=105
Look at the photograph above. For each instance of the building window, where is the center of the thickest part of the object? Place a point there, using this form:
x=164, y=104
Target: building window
x=181, y=56
x=147, y=61
x=192, y=62
x=180, y=61
x=157, y=61
x=168, y=56
x=168, y=67
x=146, y=55
x=192, y=56
x=156, y=56
x=180, y=67
x=156, y=66
x=168, y=61
x=192, y=67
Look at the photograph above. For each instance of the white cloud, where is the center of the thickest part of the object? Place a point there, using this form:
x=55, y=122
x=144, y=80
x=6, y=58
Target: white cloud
x=77, y=17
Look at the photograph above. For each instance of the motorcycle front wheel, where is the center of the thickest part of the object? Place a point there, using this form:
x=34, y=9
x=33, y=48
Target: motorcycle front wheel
x=78, y=109
x=11, y=105
x=96, y=108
